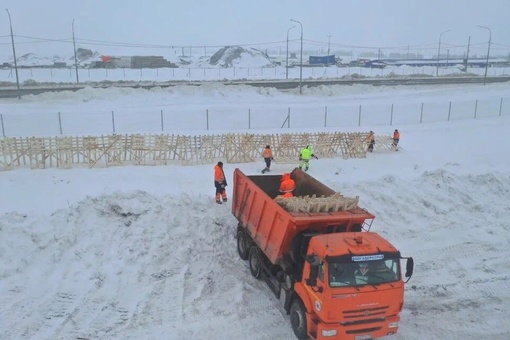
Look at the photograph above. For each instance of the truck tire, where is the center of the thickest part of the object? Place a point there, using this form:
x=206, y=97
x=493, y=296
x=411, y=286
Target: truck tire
x=298, y=319
x=242, y=245
x=255, y=261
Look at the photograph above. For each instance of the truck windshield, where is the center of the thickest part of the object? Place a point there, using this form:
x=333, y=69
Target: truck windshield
x=343, y=274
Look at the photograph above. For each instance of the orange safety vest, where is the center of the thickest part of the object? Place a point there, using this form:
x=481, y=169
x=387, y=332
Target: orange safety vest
x=396, y=135
x=288, y=194
x=267, y=153
x=219, y=175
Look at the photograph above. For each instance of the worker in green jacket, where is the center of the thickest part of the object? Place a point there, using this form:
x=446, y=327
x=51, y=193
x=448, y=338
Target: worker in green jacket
x=305, y=156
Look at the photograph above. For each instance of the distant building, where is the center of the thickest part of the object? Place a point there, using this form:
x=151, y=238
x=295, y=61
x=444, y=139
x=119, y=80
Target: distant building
x=132, y=62
x=323, y=60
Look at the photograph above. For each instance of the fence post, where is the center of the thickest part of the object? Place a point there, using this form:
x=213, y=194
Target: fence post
x=113, y=121
x=60, y=122
x=449, y=110
x=421, y=114
x=162, y=125
x=359, y=116
x=500, y=106
x=325, y=116
x=476, y=107
x=2, y=120
x=391, y=116
x=207, y=118
x=249, y=118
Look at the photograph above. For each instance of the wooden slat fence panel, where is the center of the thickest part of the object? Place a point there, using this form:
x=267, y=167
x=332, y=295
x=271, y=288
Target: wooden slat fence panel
x=141, y=149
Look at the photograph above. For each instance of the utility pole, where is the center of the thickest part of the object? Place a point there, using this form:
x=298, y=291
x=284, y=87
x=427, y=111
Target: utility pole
x=467, y=55
x=329, y=40
x=75, y=59
x=488, y=51
x=287, y=61
x=301, y=60
x=14, y=53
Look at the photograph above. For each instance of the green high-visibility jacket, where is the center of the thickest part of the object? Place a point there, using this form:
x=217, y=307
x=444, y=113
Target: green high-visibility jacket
x=306, y=153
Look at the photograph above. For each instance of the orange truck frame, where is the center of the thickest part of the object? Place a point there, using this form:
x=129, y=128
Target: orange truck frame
x=337, y=280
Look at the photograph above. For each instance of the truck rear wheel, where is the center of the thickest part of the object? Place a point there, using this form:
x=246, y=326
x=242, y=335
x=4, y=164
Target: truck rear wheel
x=242, y=245
x=298, y=319
x=255, y=260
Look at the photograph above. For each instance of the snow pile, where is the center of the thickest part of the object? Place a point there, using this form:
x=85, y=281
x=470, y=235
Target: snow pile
x=236, y=56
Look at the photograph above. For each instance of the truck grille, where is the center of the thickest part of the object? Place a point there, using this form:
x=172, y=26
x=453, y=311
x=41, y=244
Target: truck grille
x=366, y=312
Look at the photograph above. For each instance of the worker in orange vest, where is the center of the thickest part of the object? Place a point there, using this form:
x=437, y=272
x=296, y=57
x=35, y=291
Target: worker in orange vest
x=267, y=154
x=396, y=138
x=287, y=185
x=220, y=183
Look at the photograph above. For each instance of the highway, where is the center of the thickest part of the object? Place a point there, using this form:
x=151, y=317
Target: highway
x=12, y=91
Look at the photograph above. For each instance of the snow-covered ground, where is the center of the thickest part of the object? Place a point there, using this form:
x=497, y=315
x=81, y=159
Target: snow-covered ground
x=145, y=253
x=216, y=108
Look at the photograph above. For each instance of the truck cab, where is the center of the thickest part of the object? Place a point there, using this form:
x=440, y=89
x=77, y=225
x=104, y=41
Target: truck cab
x=352, y=288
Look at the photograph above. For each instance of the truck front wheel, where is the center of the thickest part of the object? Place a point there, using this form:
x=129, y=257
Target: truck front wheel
x=242, y=245
x=298, y=319
x=255, y=260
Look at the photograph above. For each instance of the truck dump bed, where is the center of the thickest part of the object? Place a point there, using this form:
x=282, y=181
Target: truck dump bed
x=272, y=227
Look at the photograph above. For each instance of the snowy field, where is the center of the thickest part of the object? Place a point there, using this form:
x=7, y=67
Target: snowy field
x=216, y=108
x=145, y=253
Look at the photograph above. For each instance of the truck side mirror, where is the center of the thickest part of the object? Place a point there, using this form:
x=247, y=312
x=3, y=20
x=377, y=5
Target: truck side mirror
x=314, y=272
x=409, y=267
x=313, y=260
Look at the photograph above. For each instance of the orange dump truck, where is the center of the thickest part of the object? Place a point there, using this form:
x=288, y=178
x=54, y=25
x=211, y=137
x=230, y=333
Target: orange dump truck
x=336, y=279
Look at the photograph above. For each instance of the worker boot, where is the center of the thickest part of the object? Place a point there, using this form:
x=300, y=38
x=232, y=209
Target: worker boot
x=219, y=202
x=224, y=200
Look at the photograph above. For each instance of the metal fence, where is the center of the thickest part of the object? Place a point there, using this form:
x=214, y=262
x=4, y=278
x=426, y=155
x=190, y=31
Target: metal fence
x=29, y=76
x=222, y=119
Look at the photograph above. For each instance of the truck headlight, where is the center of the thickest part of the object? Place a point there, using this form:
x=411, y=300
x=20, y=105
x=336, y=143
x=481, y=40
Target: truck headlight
x=325, y=332
x=393, y=325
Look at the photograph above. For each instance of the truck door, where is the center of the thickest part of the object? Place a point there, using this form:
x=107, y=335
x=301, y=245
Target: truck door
x=315, y=282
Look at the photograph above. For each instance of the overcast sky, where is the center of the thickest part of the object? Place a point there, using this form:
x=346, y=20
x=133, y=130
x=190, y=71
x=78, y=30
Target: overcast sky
x=369, y=23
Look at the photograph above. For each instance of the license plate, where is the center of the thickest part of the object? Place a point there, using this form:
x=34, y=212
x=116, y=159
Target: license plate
x=363, y=337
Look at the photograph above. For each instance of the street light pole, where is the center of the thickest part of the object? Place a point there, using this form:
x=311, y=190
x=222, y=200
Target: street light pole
x=75, y=60
x=14, y=54
x=287, y=61
x=439, y=51
x=301, y=60
x=488, y=51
